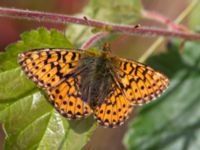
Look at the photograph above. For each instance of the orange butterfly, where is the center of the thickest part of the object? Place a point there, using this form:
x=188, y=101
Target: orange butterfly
x=80, y=82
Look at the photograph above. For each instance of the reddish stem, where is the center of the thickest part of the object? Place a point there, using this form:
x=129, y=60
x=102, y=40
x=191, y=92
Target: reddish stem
x=94, y=39
x=158, y=17
x=126, y=29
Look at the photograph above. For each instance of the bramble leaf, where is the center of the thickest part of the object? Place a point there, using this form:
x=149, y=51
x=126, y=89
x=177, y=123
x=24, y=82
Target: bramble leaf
x=28, y=119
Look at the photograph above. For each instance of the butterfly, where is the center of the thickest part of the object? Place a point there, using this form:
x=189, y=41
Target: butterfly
x=84, y=82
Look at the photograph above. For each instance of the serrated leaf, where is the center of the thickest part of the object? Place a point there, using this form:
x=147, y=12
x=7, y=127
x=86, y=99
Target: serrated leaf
x=29, y=121
x=172, y=121
x=31, y=40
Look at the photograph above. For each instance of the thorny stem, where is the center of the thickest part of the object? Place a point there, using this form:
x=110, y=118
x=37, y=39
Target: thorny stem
x=126, y=29
x=160, y=40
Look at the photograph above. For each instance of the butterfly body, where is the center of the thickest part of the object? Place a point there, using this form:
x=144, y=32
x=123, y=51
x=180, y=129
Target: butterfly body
x=81, y=82
x=96, y=79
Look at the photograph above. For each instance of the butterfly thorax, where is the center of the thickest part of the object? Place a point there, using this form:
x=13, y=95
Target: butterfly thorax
x=96, y=78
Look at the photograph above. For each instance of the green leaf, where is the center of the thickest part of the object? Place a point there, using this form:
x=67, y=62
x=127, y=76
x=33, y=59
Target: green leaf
x=31, y=40
x=172, y=121
x=118, y=11
x=29, y=120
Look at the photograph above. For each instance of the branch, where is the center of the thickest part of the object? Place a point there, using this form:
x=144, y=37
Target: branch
x=126, y=29
x=160, y=40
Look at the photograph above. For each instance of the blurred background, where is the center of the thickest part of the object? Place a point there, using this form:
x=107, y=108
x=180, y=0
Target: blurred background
x=135, y=46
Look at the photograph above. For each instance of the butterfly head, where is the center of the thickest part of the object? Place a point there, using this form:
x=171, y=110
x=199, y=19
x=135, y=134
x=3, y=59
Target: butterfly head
x=106, y=47
x=105, y=52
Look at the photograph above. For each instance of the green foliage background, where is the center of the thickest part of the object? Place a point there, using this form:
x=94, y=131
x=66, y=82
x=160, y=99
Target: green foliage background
x=171, y=122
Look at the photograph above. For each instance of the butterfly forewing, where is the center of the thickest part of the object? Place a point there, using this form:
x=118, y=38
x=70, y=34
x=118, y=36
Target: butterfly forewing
x=47, y=67
x=54, y=70
x=139, y=83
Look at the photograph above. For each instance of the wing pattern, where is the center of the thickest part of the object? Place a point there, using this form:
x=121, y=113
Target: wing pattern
x=54, y=71
x=114, y=110
x=139, y=83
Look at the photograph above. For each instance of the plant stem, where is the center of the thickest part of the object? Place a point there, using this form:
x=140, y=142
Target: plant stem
x=94, y=39
x=158, y=17
x=105, y=26
x=160, y=40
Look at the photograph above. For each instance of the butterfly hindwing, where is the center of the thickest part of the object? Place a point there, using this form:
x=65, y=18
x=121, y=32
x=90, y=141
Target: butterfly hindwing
x=139, y=82
x=67, y=99
x=54, y=71
x=114, y=109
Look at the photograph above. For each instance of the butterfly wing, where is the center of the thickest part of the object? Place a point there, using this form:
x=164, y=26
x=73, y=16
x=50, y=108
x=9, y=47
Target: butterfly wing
x=53, y=70
x=46, y=67
x=114, y=109
x=139, y=83
x=67, y=99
